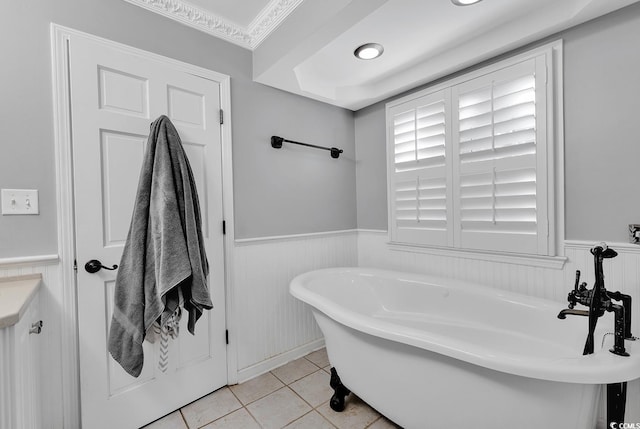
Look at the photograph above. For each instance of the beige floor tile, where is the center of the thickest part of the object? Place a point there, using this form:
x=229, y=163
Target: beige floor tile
x=256, y=388
x=210, y=408
x=314, y=388
x=356, y=415
x=312, y=420
x=294, y=370
x=319, y=357
x=384, y=423
x=240, y=419
x=172, y=421
x=278, y=409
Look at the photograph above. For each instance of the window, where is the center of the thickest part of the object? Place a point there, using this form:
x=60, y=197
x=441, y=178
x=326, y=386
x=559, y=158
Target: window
x=470, y=162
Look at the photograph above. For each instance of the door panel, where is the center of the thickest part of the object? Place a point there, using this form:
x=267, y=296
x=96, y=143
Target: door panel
x=115, y=96
x=121, y=158
x=185, y=107
x=123, y=93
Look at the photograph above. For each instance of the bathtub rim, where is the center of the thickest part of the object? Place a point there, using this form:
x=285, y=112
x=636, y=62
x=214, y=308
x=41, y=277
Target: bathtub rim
x=601, y=367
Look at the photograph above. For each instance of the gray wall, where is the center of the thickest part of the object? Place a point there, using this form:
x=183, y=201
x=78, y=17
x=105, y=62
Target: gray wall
x=297, y=190
x=275, y=192
x=602, y=139
x=294, y=189
x=371, y=167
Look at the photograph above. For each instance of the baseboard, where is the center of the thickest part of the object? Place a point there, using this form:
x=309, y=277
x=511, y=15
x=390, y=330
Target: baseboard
x=279, y=360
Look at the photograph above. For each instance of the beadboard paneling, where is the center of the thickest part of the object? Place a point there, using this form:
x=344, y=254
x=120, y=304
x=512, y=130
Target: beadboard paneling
x=272, y=327
x=269, y=321
x=51, y=312
x=373, y=251
x=6, y=387
x=621, y=274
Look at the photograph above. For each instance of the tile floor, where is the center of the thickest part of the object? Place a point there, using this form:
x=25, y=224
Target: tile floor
x=294, y=396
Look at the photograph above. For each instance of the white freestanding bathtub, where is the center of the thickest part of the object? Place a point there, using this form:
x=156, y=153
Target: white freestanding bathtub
x=433, y=353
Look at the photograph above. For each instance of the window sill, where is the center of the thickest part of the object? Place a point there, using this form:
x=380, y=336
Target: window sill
x=552, y=262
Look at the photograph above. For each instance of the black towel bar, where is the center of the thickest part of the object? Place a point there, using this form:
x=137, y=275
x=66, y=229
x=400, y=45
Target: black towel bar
x=276, y=143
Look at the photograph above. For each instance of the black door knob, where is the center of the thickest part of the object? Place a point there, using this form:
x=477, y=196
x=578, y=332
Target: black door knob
x=93, y=266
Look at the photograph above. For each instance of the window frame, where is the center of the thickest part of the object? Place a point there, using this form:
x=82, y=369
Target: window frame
x=551, y=254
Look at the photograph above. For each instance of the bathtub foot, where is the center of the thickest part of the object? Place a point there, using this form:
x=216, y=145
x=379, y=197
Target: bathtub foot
x=340, y=392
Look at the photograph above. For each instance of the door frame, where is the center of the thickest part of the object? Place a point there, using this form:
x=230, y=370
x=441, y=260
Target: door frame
x=61, y=37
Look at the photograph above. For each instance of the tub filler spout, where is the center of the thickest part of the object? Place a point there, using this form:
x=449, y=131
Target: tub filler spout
x=564, y=313
x=599, y=301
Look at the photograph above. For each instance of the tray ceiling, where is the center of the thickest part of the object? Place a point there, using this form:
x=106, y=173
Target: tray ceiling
x=306, y=46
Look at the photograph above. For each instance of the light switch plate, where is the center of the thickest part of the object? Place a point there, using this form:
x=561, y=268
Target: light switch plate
x=19, y=202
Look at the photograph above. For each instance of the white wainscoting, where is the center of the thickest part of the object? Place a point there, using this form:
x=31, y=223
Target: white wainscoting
x=621, y=274
x=374, y=251
x=51, y=311
x=272, y=327
x=6, y=365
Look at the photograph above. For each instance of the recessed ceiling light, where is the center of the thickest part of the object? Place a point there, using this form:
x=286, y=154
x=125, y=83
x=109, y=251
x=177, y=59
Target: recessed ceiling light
x=464, y=2
x=369, y=51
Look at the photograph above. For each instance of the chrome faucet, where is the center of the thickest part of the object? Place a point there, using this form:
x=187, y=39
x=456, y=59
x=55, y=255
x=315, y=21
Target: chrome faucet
x=599, y=300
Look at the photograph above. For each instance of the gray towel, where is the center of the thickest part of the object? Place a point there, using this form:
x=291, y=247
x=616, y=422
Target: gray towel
x=164, y=254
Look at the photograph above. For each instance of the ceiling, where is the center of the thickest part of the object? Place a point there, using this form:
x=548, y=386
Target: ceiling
x=306, y=46
x=240, y=12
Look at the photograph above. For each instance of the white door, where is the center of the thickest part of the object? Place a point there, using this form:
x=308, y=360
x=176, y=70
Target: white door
x=115, y=95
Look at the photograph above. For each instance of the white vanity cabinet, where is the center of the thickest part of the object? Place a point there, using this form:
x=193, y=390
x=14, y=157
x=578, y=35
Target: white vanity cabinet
x=20, y=344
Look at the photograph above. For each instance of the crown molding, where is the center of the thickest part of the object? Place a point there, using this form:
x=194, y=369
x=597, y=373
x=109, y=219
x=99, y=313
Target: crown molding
x=249, y=38
x=269, y=19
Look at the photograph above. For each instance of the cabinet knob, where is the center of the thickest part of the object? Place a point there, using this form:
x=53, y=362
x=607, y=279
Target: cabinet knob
x=36, y=327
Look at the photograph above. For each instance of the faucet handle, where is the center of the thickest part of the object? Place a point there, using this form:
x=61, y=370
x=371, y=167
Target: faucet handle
x=572, y=298
x=603, y=251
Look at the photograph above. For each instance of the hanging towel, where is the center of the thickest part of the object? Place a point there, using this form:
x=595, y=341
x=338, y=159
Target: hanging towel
x=164, y=260
x=163, y=334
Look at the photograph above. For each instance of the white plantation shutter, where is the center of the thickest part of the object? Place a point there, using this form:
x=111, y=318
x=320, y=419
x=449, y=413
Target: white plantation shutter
x=418, y=171
x=470, y=165
x=499, y=166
